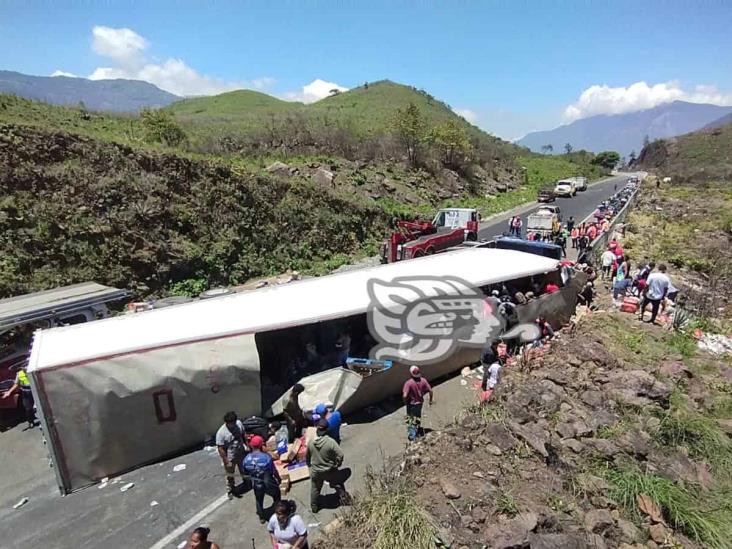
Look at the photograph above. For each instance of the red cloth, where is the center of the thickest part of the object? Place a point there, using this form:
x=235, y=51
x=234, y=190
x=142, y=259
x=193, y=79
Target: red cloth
x=551, y=288
x=415, y=389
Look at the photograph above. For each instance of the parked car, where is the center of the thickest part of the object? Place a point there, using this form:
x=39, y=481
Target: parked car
x=566, y=188
x=546, y=195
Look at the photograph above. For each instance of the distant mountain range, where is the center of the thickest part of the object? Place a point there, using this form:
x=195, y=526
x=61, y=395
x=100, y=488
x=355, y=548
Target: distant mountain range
x=626, y=132
x=719, y=122
x=99, y=95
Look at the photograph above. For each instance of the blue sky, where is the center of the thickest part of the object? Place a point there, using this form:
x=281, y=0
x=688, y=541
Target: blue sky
x=510, y=66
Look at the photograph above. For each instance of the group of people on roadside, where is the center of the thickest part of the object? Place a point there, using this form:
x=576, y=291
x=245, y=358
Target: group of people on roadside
x=252, y=457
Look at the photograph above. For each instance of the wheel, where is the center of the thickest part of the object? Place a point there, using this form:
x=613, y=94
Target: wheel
x=430, y=251
x=419, y=253
x=472, y=237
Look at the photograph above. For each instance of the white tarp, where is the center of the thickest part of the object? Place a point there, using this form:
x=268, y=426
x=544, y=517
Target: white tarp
x=104, y=417
x=332, y=387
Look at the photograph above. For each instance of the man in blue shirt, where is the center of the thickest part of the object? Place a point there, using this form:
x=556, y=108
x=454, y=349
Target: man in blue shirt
x=334, y=421
x=265, y=479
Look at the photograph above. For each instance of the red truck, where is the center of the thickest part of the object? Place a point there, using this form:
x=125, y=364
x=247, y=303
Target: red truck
x=450, y=227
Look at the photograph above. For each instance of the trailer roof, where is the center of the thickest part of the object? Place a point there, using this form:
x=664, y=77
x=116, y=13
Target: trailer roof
x=297, y=303
x=22, y=309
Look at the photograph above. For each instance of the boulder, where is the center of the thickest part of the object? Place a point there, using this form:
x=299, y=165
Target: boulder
x=575, y=445
x=598, y=521
x=449, y=490
x=278, y=168
x=602, y=447
x=323, y=177
x=566, y=430
x=479, y=515
x=593, y=398
x=596, y=352
x=725, y=425
x=675, y=369
x=635, y=442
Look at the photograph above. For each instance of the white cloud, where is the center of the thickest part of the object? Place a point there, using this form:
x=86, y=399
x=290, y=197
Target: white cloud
x=126, y=49
x=467, y=114
x=63, y=73
x=315, y=91
x=602, y=99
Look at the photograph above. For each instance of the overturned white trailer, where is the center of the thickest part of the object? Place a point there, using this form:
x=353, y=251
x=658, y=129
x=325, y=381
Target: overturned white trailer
x=126, y=391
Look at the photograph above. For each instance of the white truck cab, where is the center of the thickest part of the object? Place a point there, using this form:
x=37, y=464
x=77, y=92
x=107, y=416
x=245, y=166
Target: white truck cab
x=566, y=187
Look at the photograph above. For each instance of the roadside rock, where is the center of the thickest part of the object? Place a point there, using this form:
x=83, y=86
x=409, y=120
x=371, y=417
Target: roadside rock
x=533, y=435
x=603, y=447
x=449, y=489
x=575, y=445
x=598, y=521
x=479, y=515
x=659, y=533
x=593, y=398
x=323, y=177
x=675, y=369
x=636, y=387
x=500, y=437
x=566, y=541
x=513, y=533
x=725, y=425
x=596, y=352
x=278, y=168
x=628, y=531
x=636, y=443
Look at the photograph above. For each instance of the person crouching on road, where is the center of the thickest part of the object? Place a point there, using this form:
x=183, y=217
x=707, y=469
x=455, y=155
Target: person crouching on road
x=262, y=471
x=231, y=446
x=324, y=458
x=413, y=392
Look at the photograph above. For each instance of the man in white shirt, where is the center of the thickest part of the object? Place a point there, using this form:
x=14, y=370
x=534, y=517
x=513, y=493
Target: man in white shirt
x=658, y=284
x=231, y=447
x=607, y=263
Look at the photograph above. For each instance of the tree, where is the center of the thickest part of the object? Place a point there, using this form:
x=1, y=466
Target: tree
x=631, y=158
x=548, y=148
x=161, y=127
x=451, y=141
x=568, y=148
x=646, y=141
x=334, y=91
x=410, y=129
x=607, y=159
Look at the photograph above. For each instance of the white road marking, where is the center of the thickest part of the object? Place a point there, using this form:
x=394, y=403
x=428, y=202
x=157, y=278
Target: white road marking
x=169, y=540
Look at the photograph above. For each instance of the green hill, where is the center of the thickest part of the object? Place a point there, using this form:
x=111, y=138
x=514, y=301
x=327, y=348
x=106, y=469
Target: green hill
x=239, y=105
x=705, y=155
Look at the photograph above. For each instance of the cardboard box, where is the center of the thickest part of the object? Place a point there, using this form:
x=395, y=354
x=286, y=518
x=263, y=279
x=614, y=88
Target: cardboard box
x=292, y=451
x=311, y=433
x=293, y=472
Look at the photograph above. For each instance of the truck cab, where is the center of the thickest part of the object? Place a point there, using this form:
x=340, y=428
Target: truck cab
x=21, y=316
x=566, y=188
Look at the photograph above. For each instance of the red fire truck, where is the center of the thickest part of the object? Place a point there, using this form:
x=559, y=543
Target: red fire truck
x=450, y=227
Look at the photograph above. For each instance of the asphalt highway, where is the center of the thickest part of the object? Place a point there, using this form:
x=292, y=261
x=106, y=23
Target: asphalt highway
x=578, y=207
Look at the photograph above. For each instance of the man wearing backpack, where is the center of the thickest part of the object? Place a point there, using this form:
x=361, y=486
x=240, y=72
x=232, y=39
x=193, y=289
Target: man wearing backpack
x=265, y=479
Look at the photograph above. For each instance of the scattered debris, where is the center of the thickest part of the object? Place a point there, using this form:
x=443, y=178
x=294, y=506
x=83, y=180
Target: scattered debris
x=179, y=467
x=127, y=486
x=153, y=503
x=715, y=344
x=20, y=503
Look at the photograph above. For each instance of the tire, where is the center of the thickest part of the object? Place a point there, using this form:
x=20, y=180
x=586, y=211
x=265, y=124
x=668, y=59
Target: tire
x=429, y=251
x=472, y=237
x=419, y=253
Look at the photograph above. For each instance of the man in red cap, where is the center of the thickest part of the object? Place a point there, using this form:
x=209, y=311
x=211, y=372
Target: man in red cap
x=265, y=479
x=413, y=394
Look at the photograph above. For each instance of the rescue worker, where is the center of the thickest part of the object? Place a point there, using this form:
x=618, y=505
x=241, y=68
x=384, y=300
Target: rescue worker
x=22, y=385
x=324, y=458
x=264, y=476
x=231, y=446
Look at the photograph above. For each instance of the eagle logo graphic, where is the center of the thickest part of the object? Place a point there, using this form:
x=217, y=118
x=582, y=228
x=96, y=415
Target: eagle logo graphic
x=422, y=320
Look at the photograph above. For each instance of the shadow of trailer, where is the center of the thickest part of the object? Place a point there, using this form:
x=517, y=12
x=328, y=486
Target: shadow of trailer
x=167, y=376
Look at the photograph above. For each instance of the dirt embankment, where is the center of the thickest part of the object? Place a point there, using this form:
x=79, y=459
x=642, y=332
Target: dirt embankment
x=618, y=437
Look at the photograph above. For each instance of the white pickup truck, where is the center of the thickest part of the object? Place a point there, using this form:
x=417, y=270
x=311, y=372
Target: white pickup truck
x=566, y=187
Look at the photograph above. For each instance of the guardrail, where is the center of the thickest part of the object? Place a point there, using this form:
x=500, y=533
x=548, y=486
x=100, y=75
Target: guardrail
x=599, y=245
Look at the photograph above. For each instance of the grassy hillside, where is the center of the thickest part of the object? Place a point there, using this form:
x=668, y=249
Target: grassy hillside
x=699, y=156
x=238, y=106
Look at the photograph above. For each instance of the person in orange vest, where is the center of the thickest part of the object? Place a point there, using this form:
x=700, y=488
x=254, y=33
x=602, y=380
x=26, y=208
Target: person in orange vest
x=574, y=235
x=592, y=232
